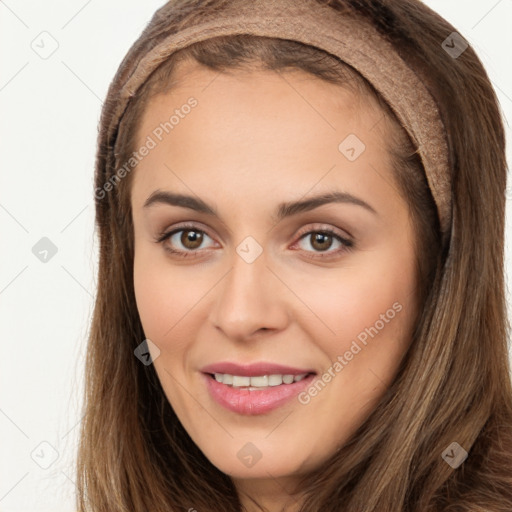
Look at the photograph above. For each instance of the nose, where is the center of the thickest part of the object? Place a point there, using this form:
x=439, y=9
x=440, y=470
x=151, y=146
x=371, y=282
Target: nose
x=249, y=299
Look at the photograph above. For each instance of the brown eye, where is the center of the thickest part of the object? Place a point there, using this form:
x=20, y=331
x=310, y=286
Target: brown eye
x=191, y=239
x=321, y=241
x=184, y=242
x=187, y=242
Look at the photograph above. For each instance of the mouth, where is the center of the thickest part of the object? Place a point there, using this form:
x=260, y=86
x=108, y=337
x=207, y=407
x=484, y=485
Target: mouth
x=255, y=394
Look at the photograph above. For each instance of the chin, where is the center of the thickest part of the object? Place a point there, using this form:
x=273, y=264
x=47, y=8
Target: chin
x=259, y=459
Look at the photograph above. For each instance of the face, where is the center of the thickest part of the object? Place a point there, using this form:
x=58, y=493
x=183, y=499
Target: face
x=280, y=296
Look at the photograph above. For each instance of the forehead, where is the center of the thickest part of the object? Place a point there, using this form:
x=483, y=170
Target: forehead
x=257, y=94
x=286, y=129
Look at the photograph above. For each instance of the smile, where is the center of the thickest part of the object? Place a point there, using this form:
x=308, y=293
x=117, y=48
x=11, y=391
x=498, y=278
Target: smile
x=257, y=382
x=243, y=395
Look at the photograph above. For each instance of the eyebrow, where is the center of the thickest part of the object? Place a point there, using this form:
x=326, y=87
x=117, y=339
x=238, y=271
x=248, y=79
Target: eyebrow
x=283, y=210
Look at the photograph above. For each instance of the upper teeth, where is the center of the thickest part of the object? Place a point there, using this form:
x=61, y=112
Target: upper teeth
x=260, y=381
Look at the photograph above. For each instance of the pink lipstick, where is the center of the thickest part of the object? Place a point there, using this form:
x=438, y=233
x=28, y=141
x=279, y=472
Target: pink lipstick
x=256, y=388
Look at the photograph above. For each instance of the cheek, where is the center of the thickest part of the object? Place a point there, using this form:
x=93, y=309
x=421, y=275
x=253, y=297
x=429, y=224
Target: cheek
x=370, y=312
x=167, y=298
x=377, y=289
x=157, y=301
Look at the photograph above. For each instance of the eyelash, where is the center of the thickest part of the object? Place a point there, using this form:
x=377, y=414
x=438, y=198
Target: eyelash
x=347, y=245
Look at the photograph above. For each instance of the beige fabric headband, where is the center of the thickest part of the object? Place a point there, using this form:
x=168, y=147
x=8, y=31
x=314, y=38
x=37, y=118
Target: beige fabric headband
x=306, y=21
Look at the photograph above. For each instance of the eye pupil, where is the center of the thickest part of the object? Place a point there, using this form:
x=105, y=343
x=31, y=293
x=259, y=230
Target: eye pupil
x=321, y=238
x=191, y=237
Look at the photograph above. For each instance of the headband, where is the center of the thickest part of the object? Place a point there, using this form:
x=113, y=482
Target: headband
x=351, y=39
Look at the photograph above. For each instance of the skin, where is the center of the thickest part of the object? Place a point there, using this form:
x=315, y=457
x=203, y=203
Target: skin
x=256, y=139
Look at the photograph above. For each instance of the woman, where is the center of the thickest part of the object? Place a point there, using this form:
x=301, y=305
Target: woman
x=301, y=293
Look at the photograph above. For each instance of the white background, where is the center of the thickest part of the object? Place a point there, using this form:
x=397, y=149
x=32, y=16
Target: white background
x=50, y=110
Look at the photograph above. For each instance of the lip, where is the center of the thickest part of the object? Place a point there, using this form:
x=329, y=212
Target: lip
x=254, y=369
x=259, y=401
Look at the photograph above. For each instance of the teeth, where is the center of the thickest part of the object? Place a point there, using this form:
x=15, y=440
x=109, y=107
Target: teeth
x=238, y=382
x=259, y=381
x=275, y=380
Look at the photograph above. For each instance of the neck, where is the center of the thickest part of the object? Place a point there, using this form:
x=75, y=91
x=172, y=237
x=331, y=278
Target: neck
x=268, y=495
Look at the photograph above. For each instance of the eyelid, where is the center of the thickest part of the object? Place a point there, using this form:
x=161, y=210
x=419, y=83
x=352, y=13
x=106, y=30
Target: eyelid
x=319, y=227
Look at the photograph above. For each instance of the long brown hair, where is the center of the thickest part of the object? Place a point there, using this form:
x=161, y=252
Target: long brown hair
x=454, y=384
